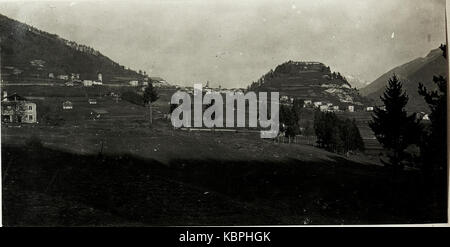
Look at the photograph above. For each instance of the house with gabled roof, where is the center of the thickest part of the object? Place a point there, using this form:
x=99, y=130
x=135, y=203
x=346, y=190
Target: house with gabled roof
x=17, y=109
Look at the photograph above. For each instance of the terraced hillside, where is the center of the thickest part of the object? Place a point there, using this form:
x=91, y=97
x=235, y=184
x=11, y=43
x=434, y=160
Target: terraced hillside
x=309, y=81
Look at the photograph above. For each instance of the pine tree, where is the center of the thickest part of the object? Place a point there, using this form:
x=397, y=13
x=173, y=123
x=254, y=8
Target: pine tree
x=434, y=147
x=392, y=125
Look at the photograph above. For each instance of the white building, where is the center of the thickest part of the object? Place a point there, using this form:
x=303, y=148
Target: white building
x=317, y=104
x=134, y=83
x=369, y=108
x=323, y=108
x=67, y=105
x=75, y=76
x=88, y=83
x=351, y=108
x=63, y=77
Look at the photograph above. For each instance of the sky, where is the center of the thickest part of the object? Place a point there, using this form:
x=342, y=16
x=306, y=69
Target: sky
x=234, y=42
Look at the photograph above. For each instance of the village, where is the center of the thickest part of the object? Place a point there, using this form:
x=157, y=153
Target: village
x=88, y=135
x=113, y=90
x=73, y=80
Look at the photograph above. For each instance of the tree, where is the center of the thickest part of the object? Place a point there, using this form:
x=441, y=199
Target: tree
x=335, y=134
x=392, y=125
x=150, y=96
x=434, y=145
x=289, y=120
x=356, y=141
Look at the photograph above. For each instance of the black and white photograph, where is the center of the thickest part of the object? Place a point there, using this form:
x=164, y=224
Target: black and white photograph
x=223, y=113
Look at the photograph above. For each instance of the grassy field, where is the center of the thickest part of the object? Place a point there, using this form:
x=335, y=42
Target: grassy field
x=158, y=176
x=117, y=170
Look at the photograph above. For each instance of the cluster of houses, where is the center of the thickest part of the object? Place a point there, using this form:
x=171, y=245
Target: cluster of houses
x=322, y=106
x=208, y=89
x=329, y=107
x=326, y=107
x=18, y=109
x=73, y=79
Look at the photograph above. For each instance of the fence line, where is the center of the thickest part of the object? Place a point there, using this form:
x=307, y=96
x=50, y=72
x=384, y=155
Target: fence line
x=308, y=140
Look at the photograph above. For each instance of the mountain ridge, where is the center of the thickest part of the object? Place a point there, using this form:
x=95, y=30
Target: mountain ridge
x=419, y=70
x=30, y=54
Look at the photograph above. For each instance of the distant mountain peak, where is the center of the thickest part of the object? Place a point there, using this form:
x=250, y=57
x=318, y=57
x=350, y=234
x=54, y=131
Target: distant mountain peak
x=421, y=69
x=356, y=82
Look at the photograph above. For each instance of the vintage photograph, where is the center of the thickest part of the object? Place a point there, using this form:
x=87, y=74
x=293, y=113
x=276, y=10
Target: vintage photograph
x=223, y=112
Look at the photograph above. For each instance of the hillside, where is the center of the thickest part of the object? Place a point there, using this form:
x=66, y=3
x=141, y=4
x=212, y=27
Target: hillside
x=309, y=81
x=29, y=54
x=160, y=176
x=418, y=70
